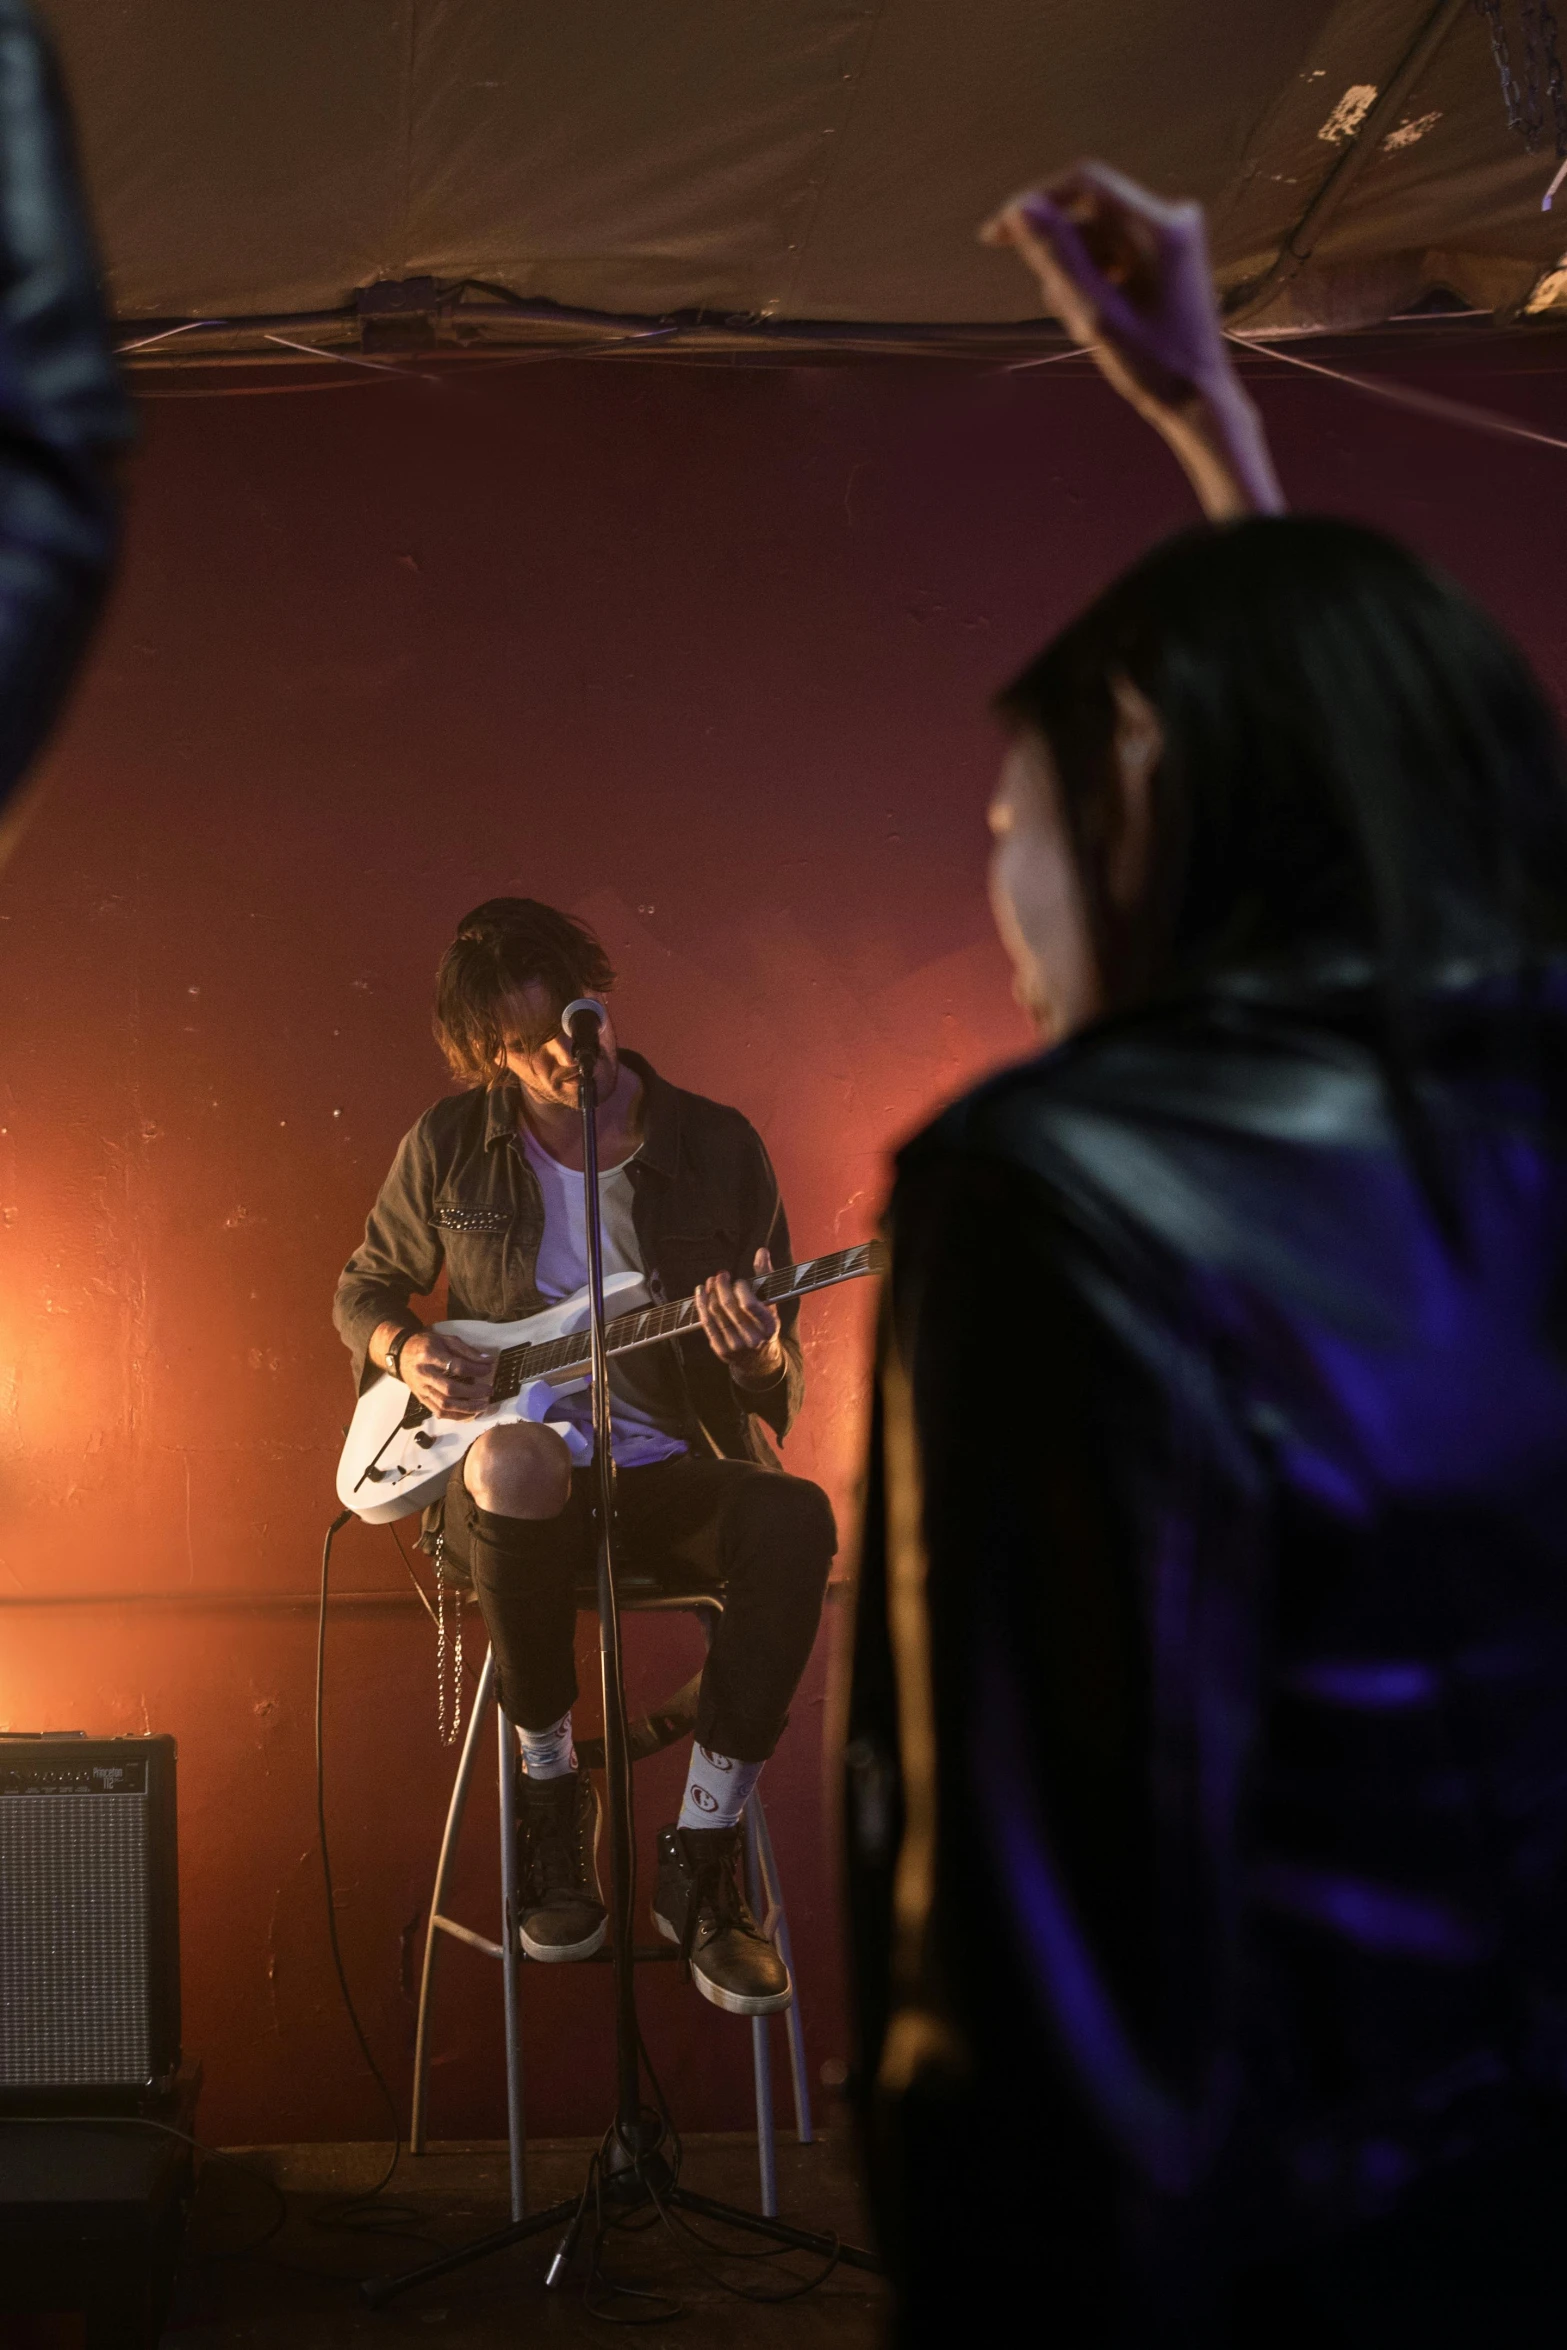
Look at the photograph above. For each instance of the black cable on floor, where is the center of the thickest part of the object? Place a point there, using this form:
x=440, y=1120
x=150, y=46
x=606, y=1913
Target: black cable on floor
x=796, y=2291
x=665, y=2306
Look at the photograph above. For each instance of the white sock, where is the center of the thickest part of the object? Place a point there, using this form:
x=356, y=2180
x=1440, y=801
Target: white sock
x=548, y=1754
x=717, y=1789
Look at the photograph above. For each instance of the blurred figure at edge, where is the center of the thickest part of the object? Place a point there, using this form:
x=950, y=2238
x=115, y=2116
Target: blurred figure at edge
x=1206, y=1796
x=63, y=416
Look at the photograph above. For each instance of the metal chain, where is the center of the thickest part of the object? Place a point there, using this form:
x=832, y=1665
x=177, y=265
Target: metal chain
x=1491, y=10
x=1554, y=83
x=1541, y=55
x=1533, y=119
x=448, y=1736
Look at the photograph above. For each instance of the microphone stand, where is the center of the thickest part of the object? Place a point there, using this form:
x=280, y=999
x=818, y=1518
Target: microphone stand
x=636, y=2131
x=632, y=2167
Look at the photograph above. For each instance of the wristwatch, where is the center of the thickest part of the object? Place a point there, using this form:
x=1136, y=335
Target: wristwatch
x=394, y=1353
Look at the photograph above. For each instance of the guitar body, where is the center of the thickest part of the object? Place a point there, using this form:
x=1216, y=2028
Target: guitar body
x=389, y=1470
x=397, y=1456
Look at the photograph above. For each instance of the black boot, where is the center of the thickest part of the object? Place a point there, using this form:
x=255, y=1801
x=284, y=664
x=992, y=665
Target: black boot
x=557, y=1838
x=698, y=1903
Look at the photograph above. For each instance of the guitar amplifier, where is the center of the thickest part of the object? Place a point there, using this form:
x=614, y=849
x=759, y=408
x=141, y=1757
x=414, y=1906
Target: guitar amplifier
x=89, y=1921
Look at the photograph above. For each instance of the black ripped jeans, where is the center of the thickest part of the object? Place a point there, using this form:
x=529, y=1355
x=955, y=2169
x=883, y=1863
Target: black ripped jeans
x=767, y=1539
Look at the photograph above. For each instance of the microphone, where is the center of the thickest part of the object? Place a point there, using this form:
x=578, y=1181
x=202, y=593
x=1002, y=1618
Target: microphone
x=582, y=1024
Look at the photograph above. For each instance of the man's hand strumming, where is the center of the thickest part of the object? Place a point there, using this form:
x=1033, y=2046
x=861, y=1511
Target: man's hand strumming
x=446, y=1375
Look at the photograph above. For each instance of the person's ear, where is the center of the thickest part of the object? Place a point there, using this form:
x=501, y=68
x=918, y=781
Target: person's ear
x=1136, y=749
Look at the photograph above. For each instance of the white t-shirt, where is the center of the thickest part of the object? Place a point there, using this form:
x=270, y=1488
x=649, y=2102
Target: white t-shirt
x=636, y=1438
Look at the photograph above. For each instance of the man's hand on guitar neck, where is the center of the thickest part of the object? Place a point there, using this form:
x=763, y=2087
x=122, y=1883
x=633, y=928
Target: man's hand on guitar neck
x=741, y=1329
x=445, y=1374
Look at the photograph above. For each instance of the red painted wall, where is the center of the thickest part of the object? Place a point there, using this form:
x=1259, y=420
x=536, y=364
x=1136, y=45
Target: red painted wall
x=701, y=653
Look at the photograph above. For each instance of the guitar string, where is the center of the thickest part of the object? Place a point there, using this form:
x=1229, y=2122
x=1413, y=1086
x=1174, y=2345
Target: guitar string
x=650, y=1323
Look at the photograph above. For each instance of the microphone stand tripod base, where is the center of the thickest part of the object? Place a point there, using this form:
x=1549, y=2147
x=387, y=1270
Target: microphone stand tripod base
x=628, y=2190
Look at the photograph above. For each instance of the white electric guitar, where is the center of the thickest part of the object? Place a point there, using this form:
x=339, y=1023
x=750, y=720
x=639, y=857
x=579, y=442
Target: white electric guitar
x=397, y=1454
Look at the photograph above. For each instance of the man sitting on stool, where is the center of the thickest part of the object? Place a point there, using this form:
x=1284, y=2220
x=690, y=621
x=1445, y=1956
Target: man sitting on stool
x=489, y=1183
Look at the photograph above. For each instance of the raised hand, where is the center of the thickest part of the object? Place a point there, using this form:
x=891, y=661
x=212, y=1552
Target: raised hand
x=1128, y=276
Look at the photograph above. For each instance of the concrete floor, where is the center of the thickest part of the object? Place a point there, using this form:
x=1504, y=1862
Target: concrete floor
x=298, y=2291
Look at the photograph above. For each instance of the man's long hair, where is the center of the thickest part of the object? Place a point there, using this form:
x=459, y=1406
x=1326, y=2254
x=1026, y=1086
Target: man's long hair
x=501, y=948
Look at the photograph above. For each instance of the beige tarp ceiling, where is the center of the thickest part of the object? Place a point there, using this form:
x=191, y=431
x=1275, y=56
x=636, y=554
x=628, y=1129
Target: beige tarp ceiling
x=782, y=160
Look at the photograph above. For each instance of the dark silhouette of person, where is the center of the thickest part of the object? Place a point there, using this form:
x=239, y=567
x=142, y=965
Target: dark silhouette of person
x=1207, y=1752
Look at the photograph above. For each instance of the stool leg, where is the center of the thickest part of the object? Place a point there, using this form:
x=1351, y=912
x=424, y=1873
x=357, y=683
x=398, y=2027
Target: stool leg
x=761, y=2050
x=443, y=1870
x=792, y=2024
x=511, y=1965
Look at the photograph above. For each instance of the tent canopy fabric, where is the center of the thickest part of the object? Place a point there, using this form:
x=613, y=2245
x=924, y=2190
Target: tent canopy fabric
x=791, y=160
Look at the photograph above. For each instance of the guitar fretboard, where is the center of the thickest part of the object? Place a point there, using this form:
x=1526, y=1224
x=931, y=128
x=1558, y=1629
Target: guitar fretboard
x=558, y=1357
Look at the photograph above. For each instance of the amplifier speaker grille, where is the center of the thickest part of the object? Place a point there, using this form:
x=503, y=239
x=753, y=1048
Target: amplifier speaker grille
x=73, y=1929
x=89, y=1917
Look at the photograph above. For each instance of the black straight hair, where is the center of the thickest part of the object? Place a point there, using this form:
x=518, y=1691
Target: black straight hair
x=1360, y=769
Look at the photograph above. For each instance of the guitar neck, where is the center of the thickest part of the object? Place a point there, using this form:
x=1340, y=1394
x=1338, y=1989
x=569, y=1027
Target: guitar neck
x=558, y=1357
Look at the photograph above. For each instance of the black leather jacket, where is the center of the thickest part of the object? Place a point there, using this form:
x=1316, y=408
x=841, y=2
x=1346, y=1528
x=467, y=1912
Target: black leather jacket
x=63, y=413
x=1207, y=1788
